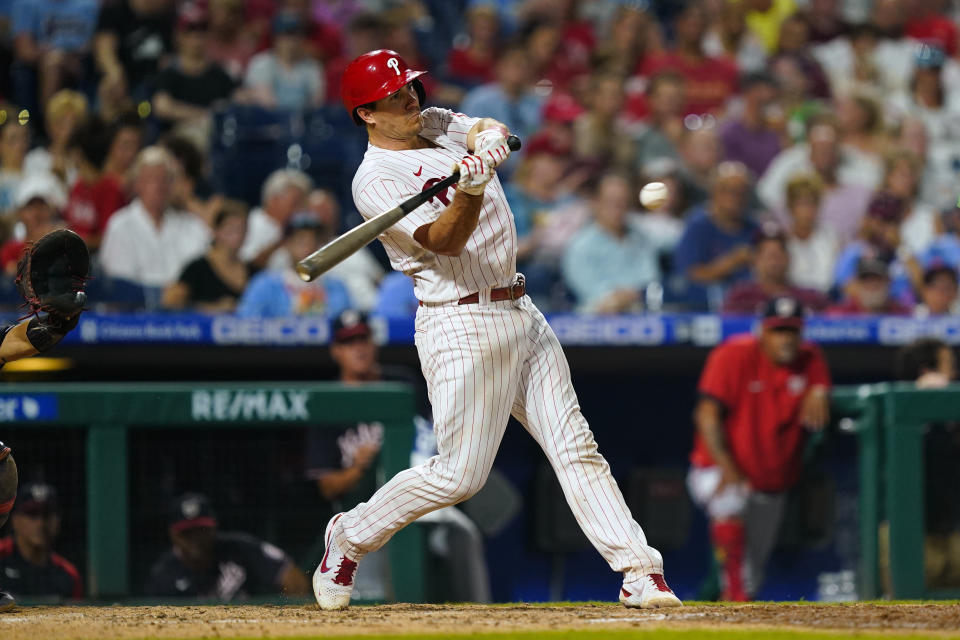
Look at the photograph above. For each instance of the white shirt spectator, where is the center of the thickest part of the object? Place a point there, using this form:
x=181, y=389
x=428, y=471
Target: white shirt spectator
x=136, y=249
x=812, y=260
x=918, y=230
x=262, y=232
x=855, y=168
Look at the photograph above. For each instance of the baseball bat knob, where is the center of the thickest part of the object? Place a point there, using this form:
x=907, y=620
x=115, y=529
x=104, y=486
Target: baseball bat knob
x=513, y=142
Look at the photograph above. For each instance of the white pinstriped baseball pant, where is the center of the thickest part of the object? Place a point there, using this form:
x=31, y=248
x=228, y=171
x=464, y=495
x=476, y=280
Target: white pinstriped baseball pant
x=483, y=362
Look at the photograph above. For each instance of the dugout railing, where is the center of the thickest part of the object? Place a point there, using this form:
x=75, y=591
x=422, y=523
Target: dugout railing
x=889, y=420
x=109, y=412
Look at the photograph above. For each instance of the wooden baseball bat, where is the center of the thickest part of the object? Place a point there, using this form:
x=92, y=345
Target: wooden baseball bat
x=339, y=249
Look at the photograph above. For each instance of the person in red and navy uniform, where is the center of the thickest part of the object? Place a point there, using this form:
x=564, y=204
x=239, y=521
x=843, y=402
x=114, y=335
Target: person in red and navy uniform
x=28, y=564
x=759, y=397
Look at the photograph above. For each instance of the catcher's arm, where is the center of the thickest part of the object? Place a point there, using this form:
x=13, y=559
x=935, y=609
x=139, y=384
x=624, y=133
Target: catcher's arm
x=35, y=335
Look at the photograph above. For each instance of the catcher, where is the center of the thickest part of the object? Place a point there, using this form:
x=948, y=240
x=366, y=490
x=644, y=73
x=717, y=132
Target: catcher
x=51, y=275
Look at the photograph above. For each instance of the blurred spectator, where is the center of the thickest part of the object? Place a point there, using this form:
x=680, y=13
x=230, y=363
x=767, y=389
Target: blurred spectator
x=65, y=110
x=860, y=123
x=813, y=247
x=215, y=281
x=407, y=29
x=771, y=278
x=660, y=133
x=759, y=396
x=632, y=35
x=700, y=152
x=471, y=63
x=729, y=38
x=555, y=62
x=537, y=189
x=511, y=99
x=927, y=23
x=231, y=42
x=610, y=262
x=323, y=38
x=281, y=293
x=847, y=175
x=928, y=362
x=938, y=294
x=205, y=562
x=794, y=42
x=364, y=33
x=709, y=81
x=39, y=199
x=14, y=143
x=359, y=272
x=285, y=192
x=284, y=76
x=396, y=297
x=765, y=19
x=28, y=563
x=750, y=139
x=342, y=461
x=869, y=292
x=600, y=135
x=95, y=195
x=797, y=105
x=133, y=40
x=126, y=139
x=51, y=41
x=879, y=239
x=191, y=191
x=826, y=20
x=927, y=97
x=191, y=85
x=149, y=242
x=559, y=114
x=867, y=59
x=903, y=171
x=715, y=251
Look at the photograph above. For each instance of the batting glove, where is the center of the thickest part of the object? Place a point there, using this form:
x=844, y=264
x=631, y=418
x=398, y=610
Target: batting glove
x=492, y=147
x=474, y=175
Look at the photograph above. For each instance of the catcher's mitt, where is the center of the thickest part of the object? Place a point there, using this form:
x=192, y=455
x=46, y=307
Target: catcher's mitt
x=52, y=272
x=8, y=482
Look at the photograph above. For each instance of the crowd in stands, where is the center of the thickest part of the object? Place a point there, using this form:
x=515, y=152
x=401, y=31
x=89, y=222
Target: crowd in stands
x=810, y=147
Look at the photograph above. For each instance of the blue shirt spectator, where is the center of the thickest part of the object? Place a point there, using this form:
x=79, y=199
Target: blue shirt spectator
x=397, y=299
x=510, y=99
x=610, y=261
x=715, y=249
x=67, y=25
x=281, y=292
x=275, y=294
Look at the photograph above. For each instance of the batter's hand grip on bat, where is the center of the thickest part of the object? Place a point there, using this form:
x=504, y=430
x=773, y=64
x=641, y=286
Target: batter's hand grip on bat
x=339, y=249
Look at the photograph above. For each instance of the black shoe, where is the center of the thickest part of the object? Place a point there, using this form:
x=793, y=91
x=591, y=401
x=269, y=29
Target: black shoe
x=6, y=601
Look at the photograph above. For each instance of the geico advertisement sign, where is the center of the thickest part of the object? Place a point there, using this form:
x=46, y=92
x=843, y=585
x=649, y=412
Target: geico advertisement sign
x=224, y=405
x=273, y=331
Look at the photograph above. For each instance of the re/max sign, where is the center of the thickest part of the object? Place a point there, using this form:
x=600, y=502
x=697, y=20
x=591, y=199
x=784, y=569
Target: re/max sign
x=224, y=405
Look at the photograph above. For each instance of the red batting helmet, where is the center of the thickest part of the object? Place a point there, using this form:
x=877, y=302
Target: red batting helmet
x=375, y=75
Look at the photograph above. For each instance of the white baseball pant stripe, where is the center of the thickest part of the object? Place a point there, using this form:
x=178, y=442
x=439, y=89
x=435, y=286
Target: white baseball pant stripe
x=483, y=362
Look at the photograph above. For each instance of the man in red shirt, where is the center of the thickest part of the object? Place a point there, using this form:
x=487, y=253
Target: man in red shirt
x=709, y=82
x=759, y=397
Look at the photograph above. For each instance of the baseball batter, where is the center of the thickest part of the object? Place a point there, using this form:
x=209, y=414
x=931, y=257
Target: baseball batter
x=485, y=349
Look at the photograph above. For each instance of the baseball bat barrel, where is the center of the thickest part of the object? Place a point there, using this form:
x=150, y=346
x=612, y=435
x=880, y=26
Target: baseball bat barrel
x=341, y=248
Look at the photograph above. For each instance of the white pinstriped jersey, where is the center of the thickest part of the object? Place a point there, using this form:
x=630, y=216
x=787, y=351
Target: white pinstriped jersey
x=386, y=178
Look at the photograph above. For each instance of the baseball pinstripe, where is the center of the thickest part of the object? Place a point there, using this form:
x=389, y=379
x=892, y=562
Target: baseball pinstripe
x=482, y=363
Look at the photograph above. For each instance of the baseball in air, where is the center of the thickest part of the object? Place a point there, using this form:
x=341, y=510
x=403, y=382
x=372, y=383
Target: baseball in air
x=653, y=195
